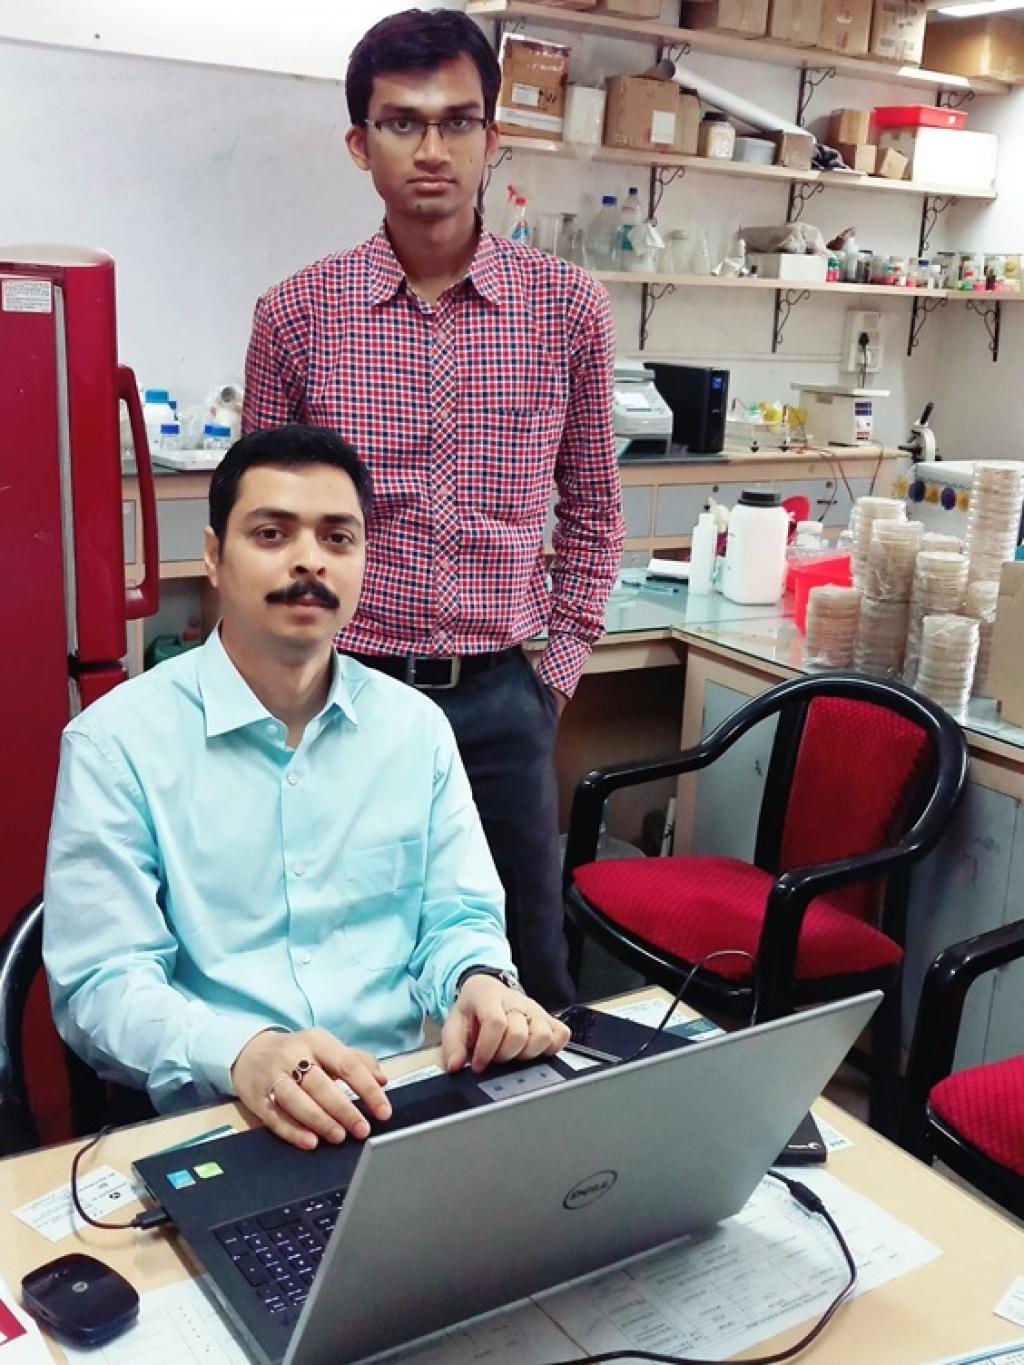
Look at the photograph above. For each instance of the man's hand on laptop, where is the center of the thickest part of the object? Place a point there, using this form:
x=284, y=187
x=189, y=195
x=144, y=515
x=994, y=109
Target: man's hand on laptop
x=491, y=1023
x=289, y=1080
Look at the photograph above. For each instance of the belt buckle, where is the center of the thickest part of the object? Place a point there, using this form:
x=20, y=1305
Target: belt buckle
x=454, y=663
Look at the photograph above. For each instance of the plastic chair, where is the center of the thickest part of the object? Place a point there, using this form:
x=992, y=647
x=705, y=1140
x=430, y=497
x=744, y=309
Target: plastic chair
x=972, y=1119
x=863, y=780
x=91, y=1102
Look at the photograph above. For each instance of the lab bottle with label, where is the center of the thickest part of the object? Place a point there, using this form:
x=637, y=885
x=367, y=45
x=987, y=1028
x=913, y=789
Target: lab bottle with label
x=703, y=543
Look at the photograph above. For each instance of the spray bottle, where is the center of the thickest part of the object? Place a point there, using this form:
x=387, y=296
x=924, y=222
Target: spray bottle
x=519, y=229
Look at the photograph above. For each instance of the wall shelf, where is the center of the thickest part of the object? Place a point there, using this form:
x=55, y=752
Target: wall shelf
x=888, y=291
x=702, y=165
x=729, y=45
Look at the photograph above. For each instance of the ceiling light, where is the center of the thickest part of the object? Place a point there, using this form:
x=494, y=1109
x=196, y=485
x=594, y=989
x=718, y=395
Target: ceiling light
x=972, y=7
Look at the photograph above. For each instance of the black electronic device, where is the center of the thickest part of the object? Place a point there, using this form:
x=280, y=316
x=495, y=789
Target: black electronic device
x=80, y=1298
x=806, y=1147
x=699, y=399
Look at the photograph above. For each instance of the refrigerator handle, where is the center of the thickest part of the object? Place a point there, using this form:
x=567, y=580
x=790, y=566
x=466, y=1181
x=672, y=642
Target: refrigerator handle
x=144, y=598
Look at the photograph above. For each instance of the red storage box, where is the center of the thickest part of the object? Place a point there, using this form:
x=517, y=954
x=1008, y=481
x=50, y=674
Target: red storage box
x=917, y=116
x=828, y=569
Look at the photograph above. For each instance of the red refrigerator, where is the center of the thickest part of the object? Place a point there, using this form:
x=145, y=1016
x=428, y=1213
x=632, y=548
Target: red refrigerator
x=63, y=600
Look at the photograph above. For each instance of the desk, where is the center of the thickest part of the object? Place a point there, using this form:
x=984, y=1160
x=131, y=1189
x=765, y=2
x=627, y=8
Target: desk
x=942, y=1308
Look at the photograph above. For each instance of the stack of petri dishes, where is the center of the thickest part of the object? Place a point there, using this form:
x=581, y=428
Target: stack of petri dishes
x=993, y=521
x=866, y=512
x=939, y=540
x=949, y=651
x=882, y=636
x=980, y=603
x=940, y=582
x=833, y=615
x=885, y=608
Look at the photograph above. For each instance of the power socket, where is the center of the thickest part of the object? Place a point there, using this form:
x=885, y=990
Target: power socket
x=857, y=323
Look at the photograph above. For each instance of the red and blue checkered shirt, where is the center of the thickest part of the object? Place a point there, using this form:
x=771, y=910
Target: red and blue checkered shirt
x=467, y=411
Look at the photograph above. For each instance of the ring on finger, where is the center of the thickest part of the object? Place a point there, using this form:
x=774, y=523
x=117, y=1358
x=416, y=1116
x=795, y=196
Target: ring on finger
x=301, y=1070
x=514, y=1009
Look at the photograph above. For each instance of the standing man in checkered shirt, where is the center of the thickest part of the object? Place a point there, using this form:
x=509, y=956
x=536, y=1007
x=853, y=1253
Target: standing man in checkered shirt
x=472, y=375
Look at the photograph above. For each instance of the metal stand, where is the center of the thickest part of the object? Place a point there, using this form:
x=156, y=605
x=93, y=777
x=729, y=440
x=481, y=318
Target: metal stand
x=650, y=297
x=810, y=79
x=785, y=301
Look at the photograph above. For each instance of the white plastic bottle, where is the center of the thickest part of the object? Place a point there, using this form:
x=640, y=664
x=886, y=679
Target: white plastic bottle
x=156, y=410
x=216, y=437
x=850, y=258
x=630, y=218
x=603, y=234
x=755, y=549
x=703, y=543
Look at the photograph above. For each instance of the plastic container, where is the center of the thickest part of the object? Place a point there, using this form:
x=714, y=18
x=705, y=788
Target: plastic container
x=156, y=410
x=216, y=437
x=170, y=436
x=755, y=555
x=833, y=569
x=917, y=116
x=630, y=217
x=703, y=543
x=603, y=235
x=717, y=137
x=756, y=149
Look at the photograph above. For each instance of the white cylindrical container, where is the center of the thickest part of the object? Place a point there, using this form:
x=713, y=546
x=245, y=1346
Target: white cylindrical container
x=702, y=553
x=755, y=551
x=156, y=410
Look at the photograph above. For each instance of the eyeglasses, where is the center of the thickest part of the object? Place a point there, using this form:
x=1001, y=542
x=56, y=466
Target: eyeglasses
x=413, y=130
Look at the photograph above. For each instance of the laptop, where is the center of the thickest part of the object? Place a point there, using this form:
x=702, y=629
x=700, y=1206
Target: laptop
x=486, y=1189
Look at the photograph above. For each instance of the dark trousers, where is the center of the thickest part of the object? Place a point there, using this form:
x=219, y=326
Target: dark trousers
x=504, y=720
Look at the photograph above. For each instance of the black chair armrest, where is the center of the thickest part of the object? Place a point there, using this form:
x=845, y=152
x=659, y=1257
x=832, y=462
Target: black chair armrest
x=21, y=956
x=939, y=1013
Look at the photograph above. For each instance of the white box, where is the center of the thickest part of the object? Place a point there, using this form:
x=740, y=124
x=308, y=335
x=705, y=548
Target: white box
x=783, y=265
x=838, y=415
x=584, y=115
x=946, y=156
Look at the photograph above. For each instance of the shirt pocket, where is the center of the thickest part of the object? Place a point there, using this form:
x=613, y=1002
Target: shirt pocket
x=381, y=892
x=509, y=469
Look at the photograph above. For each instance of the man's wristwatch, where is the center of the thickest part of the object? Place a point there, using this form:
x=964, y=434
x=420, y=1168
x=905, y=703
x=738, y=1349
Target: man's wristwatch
x=508, y=979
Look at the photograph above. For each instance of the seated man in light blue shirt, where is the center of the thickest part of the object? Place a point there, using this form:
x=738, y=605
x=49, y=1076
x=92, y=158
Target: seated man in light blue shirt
x=265, y=864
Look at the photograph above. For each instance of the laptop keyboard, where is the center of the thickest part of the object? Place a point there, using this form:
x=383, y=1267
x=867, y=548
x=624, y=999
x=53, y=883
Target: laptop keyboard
x=278, y=1252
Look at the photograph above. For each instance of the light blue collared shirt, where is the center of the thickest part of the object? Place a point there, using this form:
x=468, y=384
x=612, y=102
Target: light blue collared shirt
x=204, y=881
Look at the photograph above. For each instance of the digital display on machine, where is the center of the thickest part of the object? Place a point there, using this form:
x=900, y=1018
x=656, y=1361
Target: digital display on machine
x=716, y=381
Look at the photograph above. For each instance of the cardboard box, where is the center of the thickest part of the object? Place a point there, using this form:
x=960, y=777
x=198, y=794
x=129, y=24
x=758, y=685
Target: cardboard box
x=891, y=164
x=634, y=9
x=990, y=46
x=946, y=156
x=859, y=156
x=850, y=126
x=796, y=22
x=1006, y=670
x=574, y=4
x=650, y=115
x=749, y=17
x=845, y=26
x=794, y=150
x=897, y=31
x=531, y=102
x=783, y=265
x=584, y=116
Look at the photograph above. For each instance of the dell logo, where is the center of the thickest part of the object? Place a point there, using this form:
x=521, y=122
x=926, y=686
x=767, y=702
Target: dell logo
x=593, y=1187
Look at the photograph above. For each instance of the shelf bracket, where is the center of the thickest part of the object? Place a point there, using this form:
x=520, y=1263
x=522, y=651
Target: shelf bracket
x=785, y=301
x=991, y=314
x=932, y=208
x=953, y=99
x=811, y=78
x=661, y=178
x=800, y=195
x=922, y=306
x=504, y=155
x=650, y=296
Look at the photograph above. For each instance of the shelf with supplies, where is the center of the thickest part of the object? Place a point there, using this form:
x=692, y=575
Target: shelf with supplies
x=888, y=291
x=703, y=165
x=762, y=49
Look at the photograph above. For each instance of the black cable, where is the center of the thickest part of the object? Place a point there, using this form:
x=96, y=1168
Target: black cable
x=148, y=1218
x=708, y=957
x=810, y=1201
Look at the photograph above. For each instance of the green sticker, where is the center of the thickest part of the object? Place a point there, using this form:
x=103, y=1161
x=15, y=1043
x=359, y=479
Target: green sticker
x=207, y=1170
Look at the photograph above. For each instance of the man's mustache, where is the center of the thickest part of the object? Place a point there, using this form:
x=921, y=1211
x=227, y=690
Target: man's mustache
x=304, y=587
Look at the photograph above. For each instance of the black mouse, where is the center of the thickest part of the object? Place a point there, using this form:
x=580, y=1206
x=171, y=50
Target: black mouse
x=80, y=1298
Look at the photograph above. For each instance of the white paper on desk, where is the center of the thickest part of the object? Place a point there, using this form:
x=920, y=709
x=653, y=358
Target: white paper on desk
x=1005, y=1353
x=1011, y=1305
x=423, y=1073
x=103, y=1192
x=518, y=1335
x=177, y=1325
x=24, y=1347
x=834, y=1140
x=771, y=1267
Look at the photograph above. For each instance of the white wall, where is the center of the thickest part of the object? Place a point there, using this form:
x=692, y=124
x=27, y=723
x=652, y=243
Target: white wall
x=207, y=184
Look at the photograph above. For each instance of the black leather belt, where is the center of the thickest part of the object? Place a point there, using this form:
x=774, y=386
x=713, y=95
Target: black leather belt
x=435, y=671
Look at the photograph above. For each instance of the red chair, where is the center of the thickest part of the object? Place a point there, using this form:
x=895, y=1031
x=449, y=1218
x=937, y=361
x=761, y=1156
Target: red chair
x=972, y=1119
x=863, y=780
